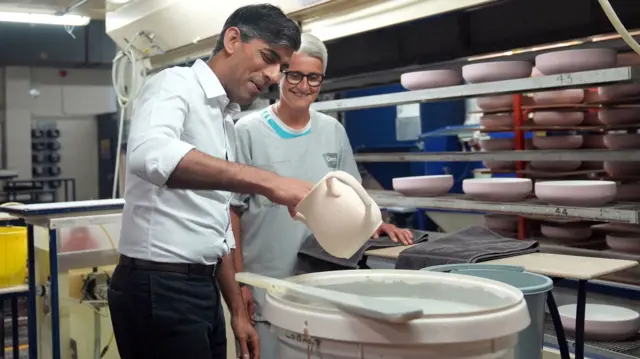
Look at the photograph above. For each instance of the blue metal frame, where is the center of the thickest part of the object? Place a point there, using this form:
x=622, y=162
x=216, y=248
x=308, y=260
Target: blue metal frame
x=32, y=318
x=54, y=296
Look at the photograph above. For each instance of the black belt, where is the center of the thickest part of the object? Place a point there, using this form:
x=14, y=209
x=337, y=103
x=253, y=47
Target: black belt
x=183, y=268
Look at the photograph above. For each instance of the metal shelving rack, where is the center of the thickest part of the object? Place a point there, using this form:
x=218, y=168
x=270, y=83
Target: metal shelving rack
x=622, y=213
x=625, y=213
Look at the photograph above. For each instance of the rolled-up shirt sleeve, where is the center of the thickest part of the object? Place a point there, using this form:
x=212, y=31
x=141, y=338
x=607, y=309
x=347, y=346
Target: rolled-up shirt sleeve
x=155, y=145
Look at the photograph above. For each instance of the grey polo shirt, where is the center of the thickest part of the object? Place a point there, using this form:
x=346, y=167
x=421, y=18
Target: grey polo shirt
x=270, y=237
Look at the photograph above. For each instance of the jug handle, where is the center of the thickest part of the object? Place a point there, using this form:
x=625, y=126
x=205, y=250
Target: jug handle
x=300, y=217
x=347, y=179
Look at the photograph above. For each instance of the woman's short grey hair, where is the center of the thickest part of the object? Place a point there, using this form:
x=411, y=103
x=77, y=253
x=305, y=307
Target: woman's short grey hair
x=312, y=46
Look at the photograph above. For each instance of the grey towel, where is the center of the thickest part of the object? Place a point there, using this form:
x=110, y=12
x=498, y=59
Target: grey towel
x=470, y=245
x=312, y=258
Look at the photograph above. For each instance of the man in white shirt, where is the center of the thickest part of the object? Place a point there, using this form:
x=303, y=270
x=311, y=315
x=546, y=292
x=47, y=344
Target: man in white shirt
x=176, y=233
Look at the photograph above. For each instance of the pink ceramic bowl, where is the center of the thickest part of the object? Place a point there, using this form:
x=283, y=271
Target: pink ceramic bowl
x=557, y=142
x=626, y=243
x=423, y=186
x=497, y=189
x=421, y=80
x=593, y=141
x=495, y=102
x=559, y=97
x=500, y=165
x=496, y=71
x=624, y=229
x=619, y=116
x=567, y=232
x=616, y=92
x=576, y=193
x=622, y=169
x=555, y=166
x=622, y=141
x=558, y=118
x=558, y=62
x=496, y=120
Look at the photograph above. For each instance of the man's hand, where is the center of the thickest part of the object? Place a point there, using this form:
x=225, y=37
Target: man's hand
x=247, y=336
x=247, y=298
x=288, y=192
x=396, y=234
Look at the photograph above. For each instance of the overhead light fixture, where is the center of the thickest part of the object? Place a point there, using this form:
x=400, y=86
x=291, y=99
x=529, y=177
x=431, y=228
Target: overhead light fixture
x=613, y=36
x=521, y=51
x=45, y=19
x=375, y=16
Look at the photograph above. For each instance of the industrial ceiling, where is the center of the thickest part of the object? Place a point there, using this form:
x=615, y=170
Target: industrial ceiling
x=366, y=59
x=96, y=9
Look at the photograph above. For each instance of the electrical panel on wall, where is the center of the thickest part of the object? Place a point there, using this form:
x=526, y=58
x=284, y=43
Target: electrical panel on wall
x=45, y=154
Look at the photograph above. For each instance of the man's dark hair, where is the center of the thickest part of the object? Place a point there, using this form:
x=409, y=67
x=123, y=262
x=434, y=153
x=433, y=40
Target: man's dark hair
x=264, y=22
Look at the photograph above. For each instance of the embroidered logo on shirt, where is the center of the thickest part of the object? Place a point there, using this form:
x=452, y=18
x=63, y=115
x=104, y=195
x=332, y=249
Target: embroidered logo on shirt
x=331, y=159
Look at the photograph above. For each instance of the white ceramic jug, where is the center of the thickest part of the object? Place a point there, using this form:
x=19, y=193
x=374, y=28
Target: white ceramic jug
x=340, y=214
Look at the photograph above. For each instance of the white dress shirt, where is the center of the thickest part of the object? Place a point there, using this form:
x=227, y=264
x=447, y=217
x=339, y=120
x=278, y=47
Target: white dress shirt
x=179, y=109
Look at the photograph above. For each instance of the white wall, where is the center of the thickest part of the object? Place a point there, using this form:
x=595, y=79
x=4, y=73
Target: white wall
x=73, y=101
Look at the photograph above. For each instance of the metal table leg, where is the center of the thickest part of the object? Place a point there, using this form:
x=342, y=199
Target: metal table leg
x=54, y=295
x=580, y=314
x=557, y=325
x=32, y=317
x=14, y=328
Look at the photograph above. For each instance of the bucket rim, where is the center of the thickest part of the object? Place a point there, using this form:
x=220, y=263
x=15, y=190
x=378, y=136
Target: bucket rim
x=530, y=290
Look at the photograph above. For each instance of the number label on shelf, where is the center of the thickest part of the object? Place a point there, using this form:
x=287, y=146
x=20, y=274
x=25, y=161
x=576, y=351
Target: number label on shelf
x=565, y=79
x=561, y=212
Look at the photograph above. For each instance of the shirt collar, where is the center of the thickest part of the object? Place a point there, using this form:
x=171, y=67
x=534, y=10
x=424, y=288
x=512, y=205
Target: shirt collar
x=212, y=87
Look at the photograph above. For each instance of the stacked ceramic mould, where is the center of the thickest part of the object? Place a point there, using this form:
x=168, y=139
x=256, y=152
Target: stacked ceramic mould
x=566, y=108
x=620, y=237
x=497, y=110
x=436, y=185
x=576, y=234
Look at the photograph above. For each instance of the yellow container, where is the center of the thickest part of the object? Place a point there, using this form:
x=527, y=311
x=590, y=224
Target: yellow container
x=13, y=256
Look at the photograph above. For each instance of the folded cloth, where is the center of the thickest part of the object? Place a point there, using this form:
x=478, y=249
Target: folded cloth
x=312, y=258
x=470, y=245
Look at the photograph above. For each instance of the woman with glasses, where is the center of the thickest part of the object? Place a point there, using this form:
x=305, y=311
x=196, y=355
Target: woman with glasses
x=292, y=140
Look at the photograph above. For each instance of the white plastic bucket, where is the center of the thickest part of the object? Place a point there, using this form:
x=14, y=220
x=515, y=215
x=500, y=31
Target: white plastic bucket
x=465, y=317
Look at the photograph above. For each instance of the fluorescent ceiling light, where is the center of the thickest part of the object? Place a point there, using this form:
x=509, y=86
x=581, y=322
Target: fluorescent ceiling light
x=613, y=36
x=521, y=51
x=48, y=19
x=375, y=16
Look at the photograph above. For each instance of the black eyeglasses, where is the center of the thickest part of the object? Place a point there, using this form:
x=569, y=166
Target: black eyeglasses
x=314, y=79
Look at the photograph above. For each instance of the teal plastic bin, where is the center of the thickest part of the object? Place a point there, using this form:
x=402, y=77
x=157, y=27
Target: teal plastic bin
x=533, y=286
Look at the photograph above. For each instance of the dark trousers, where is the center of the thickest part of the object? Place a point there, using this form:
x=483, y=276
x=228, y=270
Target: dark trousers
x=159, y=315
